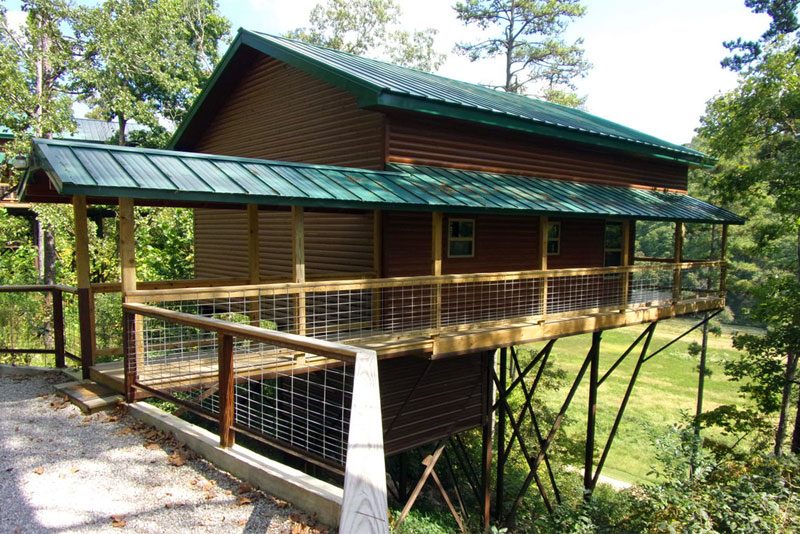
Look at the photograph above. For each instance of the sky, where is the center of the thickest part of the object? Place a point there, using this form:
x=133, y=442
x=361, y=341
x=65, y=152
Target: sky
x=655, y=62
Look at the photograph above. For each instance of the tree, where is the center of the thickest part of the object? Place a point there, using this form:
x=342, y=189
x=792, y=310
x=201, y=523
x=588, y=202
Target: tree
x=754, y=130
x=530, y=36
x=145, y=60
x=371, y=28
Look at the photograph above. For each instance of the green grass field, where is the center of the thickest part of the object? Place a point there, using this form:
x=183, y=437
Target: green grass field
x=665, y=391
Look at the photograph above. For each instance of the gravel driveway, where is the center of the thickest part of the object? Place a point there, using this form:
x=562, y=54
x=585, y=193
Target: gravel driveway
x=61, y=471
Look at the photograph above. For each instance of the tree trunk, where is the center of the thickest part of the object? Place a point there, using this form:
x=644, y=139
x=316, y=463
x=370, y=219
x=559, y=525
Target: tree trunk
x=49, y=247
x=780, y=432
x=122, y=122
x=796, y=433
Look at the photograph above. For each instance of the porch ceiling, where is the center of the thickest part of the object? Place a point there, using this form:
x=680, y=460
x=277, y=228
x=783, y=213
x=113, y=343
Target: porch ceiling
x=105, y=171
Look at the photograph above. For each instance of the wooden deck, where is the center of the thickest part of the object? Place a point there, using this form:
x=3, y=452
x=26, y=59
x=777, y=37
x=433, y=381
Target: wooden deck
x=462, y=341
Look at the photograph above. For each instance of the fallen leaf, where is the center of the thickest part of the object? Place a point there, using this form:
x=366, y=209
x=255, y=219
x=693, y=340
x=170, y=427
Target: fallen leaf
x=241, y=522
x=242, y=501
x=244, y=488
x=151, y=445
x=177, y=459
x=39, y=470
x=118, y=521
x=279, y=503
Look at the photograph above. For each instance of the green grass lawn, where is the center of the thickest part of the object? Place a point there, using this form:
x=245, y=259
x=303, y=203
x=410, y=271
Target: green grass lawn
x=665, y=391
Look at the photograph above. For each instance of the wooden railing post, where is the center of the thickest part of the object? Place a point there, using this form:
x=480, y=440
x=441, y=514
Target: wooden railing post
x=677, y=258
x=723, y=268
x=377, y=264
x=544, y=224
x=129, y=349
x=625, y=261
x=299, y=265
x=226, y=395
x=437, y=222
x=58, y=328
x=364, y=503
x=84, y=291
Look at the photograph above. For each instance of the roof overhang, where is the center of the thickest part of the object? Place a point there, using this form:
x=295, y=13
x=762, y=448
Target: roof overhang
x=176, y=178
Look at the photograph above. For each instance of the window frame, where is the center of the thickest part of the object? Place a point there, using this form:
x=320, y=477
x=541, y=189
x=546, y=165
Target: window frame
x=451, y=239
x=606, y=249
x=557, y=239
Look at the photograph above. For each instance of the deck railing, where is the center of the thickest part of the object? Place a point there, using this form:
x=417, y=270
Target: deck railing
x=39, y=320
x=313, y=398
x=368, y=311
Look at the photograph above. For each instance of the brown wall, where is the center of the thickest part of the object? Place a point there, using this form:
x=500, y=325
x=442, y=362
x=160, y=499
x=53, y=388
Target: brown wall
x=502, y=243
x=336, y=243
x=424, y=400
x=275, y=111
x=449, y=143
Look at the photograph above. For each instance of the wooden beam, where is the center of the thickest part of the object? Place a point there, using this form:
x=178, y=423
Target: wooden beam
x=626, y=258
x=254, y=267
x=299, y=265
x=377, y=264
x=437, y=235
x=127, y=245
x=364, y=502
x=591, y=418
x=85, y=318
x=226, y=397
x=542, y=262
x=677, y=258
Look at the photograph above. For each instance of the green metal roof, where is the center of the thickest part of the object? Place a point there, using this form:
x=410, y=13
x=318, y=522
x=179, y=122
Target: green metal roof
x=383, y=85
x=111, y=171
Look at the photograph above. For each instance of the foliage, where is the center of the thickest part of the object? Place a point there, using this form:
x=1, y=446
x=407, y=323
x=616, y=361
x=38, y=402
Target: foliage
x=530, y=36
x=145, y=60
x=164, y=243
x=370, y=27
x=784, y=21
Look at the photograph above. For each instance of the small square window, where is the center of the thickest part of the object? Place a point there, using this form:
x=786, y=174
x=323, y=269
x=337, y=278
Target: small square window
x=553, y=238
x=461, y=238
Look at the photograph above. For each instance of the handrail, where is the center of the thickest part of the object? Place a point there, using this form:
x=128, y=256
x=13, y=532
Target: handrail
x=380, y=283
x=36, y=288
x=319, y=347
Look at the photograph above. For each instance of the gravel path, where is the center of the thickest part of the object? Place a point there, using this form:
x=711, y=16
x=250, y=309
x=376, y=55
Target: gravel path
x=61, y=471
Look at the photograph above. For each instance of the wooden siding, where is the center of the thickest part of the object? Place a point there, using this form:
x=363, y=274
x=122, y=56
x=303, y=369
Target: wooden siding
x=275, y=111
x=502, y=243
x=424, y=400
x=448, y=143
x=336, y=243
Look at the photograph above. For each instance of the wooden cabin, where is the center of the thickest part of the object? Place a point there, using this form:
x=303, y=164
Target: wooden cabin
x=346, y=207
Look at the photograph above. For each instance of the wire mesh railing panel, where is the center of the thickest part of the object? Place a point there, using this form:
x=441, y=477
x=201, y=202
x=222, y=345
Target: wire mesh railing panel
x=108, y=323
x=650, y=287
x=567, y=294
x=497, y=300
x=178, y=361
x=299, y=401
x=700, y=281
x=72, y=325
x=26, y=323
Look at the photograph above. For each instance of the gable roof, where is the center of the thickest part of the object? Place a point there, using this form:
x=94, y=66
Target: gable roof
x=107, y=171
x=381, y=85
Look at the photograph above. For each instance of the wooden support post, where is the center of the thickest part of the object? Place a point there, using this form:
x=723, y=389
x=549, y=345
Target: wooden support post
x=487, y=438
x=437, y=234
x=625, y=262
x=364, y=503
x=299, y=264
x=128, y=349
x=501, y=434
x=591, y=418
x=701, y=379
x=226, y=397
x=377, y=264
x=253, y=308
x=58, y=328
x=677, y=258
x=127, y=246
x=544, y=224
x=85, y=319
x=723, y=270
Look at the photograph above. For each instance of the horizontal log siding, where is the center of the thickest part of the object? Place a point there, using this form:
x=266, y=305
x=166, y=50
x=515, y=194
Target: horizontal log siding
x=452, y=144
x=278, y=112
x=447, y=398
x=582, y=244
x=336, y=243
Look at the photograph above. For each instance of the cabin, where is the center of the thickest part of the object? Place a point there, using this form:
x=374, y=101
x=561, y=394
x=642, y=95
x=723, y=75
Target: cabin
x=372, y=245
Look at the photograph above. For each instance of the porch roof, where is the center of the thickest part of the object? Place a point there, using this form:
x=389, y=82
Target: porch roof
x=106, y=171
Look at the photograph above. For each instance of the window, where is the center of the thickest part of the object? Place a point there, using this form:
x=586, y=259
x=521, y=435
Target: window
x=461, y=238
x=613, y=244
x=553, y=238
